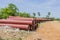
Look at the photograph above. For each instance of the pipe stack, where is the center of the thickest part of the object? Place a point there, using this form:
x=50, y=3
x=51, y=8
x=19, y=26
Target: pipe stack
x=21, y=22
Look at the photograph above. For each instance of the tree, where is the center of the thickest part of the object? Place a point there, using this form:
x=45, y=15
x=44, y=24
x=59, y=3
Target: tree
x=38, y=13
x=48, y=15
x=24, y=14
x=34, y=14
x=3, y=13
x=12, y=9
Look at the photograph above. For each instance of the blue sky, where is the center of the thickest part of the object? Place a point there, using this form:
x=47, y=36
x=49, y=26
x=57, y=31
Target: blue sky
x=30, y=6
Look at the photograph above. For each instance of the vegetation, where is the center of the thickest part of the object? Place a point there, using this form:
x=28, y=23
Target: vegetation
x=24, y=14
x=1, y=38
x=20, y=39
x=48, y=15
x=12, y=10
x=39, y=14
x=34, y=14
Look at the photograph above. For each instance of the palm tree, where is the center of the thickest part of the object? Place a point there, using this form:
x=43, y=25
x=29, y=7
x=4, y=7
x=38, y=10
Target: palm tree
x=49, y=13
x=34, y=15
x=39, y=14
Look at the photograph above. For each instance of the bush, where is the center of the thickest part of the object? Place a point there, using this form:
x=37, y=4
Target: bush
x=20, y=39
x=1, y=38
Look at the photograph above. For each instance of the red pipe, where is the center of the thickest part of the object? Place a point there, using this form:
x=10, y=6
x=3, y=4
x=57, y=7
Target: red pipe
x=26, y=27
x=20, y=18
x=42, y=19
x=16, y=22
x=28, y=19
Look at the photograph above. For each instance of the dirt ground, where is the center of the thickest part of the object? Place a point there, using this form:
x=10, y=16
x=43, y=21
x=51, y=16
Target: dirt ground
x=46, y=31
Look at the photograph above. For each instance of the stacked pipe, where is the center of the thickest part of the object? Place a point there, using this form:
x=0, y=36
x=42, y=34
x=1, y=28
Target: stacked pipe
x=33, y=25
x=29, y=21
x=42, y=20
x=21, y=22
x=21, y=26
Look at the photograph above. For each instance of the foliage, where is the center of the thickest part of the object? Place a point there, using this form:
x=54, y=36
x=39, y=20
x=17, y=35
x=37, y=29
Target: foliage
x=3, y=13
x=12, y=10
x=38, y=13
x=20, y=39
x=24, y=14
x=48, y=15
x=57, y=19
x=1, y=38
x=54, y=19
x=34, y=14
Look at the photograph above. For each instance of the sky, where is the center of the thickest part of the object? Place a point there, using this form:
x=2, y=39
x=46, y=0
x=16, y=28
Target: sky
x=30, y=6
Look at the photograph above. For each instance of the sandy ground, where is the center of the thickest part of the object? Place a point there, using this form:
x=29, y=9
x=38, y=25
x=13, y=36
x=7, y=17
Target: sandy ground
x=49, y=31
x=46, y=31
